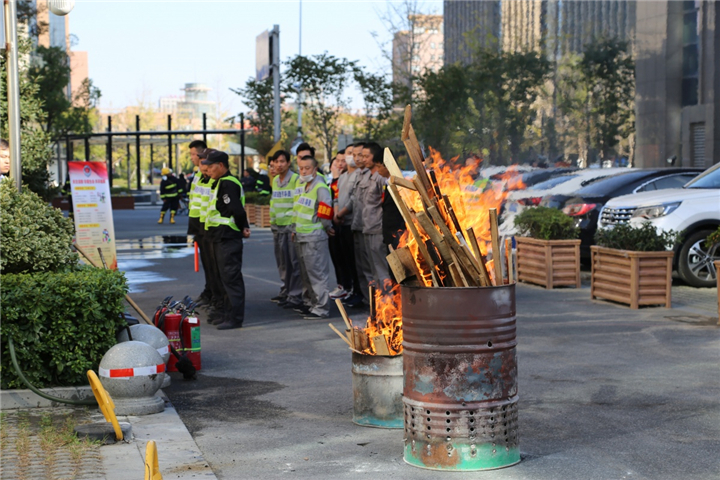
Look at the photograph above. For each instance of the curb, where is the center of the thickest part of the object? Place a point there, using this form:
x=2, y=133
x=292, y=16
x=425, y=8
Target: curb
x=14, y=399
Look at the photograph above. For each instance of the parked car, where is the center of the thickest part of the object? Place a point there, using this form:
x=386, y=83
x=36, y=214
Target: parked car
x=567, y=183
x=693, y=210
x=586, y=203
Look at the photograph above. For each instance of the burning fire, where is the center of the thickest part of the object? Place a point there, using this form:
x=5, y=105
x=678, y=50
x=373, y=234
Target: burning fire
x=470, y=196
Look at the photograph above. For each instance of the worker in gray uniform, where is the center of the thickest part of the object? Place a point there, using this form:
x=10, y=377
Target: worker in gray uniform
x=312, y=216
x=371, y=190
x=355, y=207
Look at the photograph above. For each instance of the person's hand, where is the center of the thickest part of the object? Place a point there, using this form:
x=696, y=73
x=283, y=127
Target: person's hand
x=246, y=233
x=331, y=232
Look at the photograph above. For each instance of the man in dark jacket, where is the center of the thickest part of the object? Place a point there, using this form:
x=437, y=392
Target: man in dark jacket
x=227, y=225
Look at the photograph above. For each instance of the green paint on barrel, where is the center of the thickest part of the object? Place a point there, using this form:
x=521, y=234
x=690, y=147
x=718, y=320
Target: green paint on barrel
x=377, y=391
x=460, y=378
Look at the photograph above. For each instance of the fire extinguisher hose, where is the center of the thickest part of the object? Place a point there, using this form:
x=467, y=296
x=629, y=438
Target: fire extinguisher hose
x=11, y=347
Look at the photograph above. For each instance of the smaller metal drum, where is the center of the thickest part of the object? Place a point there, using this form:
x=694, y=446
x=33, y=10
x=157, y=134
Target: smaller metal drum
x=377, y=391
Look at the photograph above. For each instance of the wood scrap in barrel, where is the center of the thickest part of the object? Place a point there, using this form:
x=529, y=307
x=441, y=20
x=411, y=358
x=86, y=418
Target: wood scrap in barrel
x=380, y=343
x=495, y=241
x=405, y=212
x=404, y=267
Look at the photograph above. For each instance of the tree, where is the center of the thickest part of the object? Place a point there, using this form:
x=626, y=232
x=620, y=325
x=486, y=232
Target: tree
x=322, y=79
x=607, y=72
x=488, y=104
x=378, y=97
x=35, y=142
x=409, y=24
x=259, y=98
x=50, y=70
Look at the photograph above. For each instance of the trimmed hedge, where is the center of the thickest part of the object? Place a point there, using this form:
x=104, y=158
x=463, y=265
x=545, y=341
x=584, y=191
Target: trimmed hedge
x=61, y=324
x=642, y=239
x=545, y=223
x=256, y=198
x=34, y=237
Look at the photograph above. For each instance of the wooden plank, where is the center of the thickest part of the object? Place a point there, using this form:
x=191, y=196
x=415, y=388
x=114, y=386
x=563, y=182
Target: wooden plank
x=495, y=241
x=343, y=314
x=345, y=339
x=391, y=164
x=451, y=214
x=404, y=255
x=438, y=241
x=405, y=212
x=412, y=146
x=457, y=278
x=427, y=202
x=381, y=345
x=371, y=299
x=465, y=263
x=484, y=276
x=508, y=260
x=614, y=287
x=403, y=182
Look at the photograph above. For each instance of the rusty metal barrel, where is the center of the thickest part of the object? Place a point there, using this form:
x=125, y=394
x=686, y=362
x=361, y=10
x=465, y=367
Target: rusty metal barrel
x=460, y=378
x=377, y=390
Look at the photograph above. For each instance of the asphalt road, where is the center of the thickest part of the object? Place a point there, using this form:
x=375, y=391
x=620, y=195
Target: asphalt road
x=605, y=392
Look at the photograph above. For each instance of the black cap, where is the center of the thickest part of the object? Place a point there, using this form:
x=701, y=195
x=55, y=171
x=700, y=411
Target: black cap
x=215, y=156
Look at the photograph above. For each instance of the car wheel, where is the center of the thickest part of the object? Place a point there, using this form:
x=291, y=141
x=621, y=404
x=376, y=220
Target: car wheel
x=695, y=260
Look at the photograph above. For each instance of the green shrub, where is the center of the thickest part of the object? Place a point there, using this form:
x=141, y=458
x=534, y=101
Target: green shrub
x=256, y=198
x=643, y=239
x=34, y=237
x=61, y=324
x=713, y=238
x=546, y=224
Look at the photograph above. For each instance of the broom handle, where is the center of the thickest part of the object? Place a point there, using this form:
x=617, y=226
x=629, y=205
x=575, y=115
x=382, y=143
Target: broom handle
x=127, y=297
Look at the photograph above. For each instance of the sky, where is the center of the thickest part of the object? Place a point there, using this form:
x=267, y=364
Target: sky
x=142, y=50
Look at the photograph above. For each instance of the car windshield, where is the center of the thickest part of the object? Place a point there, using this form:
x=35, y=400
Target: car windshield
x=547, y=184
x=710, y=178
x=609, y=184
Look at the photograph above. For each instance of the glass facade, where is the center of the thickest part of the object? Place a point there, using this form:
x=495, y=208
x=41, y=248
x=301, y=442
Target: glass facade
x=691, y=53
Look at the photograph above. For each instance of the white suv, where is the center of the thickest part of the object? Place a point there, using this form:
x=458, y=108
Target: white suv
x=693, y=210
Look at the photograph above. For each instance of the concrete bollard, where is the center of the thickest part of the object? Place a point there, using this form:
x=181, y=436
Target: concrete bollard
x=132, y=373
x=154, y=337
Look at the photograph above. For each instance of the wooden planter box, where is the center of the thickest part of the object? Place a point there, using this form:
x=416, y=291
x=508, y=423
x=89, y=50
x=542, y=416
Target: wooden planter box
x=632, y=278
x=123, y=203
x=118, y=203
x=262, y=216
x=550, y=263
x=250, y=210
x=717, y=277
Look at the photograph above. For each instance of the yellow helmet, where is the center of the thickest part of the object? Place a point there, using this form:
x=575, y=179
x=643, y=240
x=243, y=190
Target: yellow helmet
x=263, y=166
x=165, y=171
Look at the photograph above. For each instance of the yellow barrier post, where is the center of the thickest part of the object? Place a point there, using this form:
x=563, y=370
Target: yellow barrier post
x=152, y=468
x=107, y=407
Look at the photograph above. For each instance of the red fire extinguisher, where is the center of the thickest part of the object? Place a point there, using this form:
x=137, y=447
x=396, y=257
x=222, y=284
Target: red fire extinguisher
x=183, y=333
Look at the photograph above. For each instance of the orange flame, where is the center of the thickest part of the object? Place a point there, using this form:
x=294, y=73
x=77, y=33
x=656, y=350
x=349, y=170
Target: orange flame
x=470, y=196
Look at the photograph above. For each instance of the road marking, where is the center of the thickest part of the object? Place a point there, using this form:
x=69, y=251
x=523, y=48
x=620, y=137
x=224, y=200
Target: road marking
x=263, y=280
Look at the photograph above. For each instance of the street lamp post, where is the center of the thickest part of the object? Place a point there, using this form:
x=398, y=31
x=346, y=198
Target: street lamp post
x=13, y=90
x=58, y=7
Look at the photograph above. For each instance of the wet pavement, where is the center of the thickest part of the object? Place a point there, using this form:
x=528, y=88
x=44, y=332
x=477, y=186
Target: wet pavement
x=605, y=392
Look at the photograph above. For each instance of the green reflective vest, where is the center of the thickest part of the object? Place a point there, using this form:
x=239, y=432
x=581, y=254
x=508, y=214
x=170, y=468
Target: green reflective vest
x=304, y=209
x=199, y=196
x=281, y=203
x=214, y=219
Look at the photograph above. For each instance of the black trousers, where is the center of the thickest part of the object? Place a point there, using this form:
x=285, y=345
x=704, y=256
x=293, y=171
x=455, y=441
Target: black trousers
x=346, y=256
x=228, y=257
x=213, y=275
x=171, y=203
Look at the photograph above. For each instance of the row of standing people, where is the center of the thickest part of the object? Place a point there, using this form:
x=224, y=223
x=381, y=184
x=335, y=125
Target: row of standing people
x=346, y=218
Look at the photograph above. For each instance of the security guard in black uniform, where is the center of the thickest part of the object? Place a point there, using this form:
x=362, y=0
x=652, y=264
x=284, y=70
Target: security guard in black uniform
x=226, y=224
